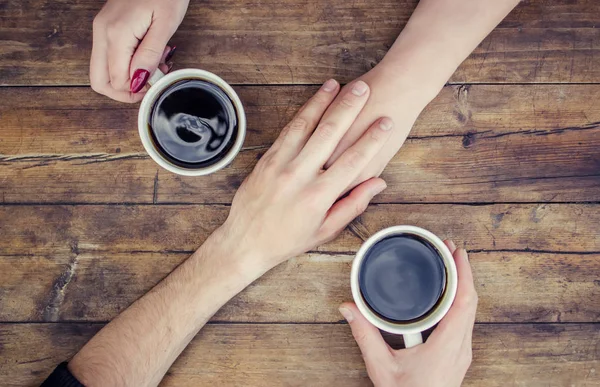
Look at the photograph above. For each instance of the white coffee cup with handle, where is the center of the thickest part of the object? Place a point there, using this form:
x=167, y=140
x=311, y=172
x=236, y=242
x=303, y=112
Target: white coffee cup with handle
x=159, y=83
x=410, y=330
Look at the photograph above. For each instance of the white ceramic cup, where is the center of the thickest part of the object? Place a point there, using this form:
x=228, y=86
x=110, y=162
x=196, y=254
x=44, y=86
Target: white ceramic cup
x=411, y=331
x=159, y=83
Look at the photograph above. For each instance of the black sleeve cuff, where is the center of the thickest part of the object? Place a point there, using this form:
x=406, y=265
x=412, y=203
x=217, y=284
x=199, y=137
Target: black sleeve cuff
x=61, y=377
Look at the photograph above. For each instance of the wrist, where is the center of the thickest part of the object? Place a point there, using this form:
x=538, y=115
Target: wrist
x=243, y=259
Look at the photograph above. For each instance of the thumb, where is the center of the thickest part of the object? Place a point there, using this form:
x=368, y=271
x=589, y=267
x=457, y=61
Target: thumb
x=374, y=349
x=148, y=54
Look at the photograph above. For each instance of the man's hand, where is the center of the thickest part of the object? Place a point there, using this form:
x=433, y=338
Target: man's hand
x=442, y=361
x=289, y=204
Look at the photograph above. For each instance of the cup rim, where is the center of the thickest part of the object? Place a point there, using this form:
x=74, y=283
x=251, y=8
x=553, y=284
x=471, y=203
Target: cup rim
x=154, y=93
x=442, y=307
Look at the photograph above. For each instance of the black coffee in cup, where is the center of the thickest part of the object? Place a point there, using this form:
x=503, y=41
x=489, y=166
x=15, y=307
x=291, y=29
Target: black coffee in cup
x=193, y=123
x=402, y=278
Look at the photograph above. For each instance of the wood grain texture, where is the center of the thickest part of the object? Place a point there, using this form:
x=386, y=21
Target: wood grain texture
x=534, y=355
x=301, y=41
x=477, y=168
x=75, y=120
x=48, y=230
x=513, y=287
x=472, y=144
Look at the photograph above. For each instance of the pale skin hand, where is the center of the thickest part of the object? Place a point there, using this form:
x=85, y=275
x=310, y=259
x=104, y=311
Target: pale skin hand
x=439, y=35
x=130, y=35
x=442, y=361
x=286, y=206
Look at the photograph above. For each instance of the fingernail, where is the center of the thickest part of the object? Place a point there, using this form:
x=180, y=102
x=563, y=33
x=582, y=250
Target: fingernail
x=463, y=253
x=170, y=66
x=386, y=124
x=452, y=245
x=359, y=88
x=139, y=79
x=347, y=313
x=330, y=85
x=170, y=54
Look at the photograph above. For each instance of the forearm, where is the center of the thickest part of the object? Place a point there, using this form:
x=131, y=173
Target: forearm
x=139, y=346
x=438, y=37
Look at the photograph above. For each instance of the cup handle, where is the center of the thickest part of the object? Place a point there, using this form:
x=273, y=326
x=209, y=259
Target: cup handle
x=155, y=77
x=412, y=340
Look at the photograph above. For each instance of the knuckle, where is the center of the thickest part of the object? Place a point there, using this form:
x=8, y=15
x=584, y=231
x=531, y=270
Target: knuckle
x=469, y=358
x=397, y=371
x=98, y=22
x=98, y=87
x=359, y=208
x=468, y=300
x=377, y=135
x=298, y=125
x=321, y=98
x=360, y=337
x=151, y=52
x=471, y=299
x=114, y=32
x=466, y=360
x=347, y=101
x=326, y=131
x=354, y=159
x=268, y=162
x=288, y=174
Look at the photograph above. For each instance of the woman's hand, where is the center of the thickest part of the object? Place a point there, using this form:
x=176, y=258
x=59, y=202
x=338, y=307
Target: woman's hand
x=130, y=40
x=289, y=204
x=393, y=94
x=442, y=361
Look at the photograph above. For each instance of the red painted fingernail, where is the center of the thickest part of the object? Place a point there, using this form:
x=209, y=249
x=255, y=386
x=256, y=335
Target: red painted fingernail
x=140, y=77
x=170, y=54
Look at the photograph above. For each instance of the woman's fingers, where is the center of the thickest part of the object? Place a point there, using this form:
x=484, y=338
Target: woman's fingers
x=121, y=46
x=458, y=324
x=99, y=71
x=451, y=246
x=374, y=349
x=148, y=54
x=294, y=136
x=349, y=207
x=353, y=161
x=334, y=124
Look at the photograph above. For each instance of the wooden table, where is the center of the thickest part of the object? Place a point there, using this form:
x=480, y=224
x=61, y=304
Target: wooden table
x=505, y=161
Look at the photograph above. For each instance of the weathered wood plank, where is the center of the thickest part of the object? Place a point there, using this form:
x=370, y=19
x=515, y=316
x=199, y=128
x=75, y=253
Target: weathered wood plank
x=44, y=230
x=75, y=120
x=560, y=166
x=525, y=167
x=467, y=144
x=318, y=355
x=513, y=287
x=301, y=41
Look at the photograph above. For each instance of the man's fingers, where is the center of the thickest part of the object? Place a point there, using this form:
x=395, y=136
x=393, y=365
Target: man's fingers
x=334, y=124
x=148, y=54
x=294, y=136
x=458, y=323
x=374, y=349
x=348, y=208
x=355, y=159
